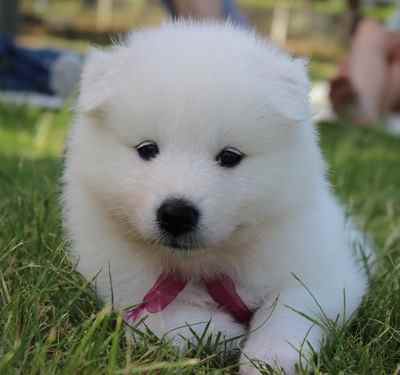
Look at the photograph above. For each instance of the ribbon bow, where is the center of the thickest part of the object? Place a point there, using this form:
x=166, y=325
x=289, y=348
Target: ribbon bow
x=168, y=286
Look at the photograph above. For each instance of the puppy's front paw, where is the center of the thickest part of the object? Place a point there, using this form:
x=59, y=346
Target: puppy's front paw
x=259, y=363
x=184, y=325
x=249, y=369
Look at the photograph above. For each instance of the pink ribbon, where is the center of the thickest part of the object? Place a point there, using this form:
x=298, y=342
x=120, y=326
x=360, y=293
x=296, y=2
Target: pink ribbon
x=168, y=286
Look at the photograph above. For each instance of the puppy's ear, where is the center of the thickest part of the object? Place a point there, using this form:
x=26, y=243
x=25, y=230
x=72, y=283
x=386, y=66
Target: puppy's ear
x=301, y=65
x=94, y=90
x=301, y=90
x=291, y=97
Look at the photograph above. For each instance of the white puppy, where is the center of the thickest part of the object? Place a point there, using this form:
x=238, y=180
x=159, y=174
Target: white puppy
x=193, y=155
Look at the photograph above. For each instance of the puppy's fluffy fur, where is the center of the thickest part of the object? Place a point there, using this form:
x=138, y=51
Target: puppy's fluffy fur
x=195, y=89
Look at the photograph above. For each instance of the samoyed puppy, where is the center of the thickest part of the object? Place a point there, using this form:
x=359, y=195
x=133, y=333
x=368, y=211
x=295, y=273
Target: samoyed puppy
x=195, y=192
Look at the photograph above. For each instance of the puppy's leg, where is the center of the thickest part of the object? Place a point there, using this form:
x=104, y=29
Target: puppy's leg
x=179, y=320
x=276, y=332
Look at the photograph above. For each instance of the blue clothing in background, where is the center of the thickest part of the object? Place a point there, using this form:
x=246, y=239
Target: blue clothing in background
x=23, y=69
x=232, y=12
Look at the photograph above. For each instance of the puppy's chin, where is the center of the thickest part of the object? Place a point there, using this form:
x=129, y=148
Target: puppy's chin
x=196, y=243
x=184, y=244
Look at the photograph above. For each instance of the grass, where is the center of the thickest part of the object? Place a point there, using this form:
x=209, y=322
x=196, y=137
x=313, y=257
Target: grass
x=326, y=7
x=51, y=323
x=331, y=7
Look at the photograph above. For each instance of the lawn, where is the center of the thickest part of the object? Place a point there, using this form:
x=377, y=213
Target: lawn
x=50, y=321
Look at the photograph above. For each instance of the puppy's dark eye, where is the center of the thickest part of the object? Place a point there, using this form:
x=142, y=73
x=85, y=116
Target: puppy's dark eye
x=147, y=150
x=229, y=157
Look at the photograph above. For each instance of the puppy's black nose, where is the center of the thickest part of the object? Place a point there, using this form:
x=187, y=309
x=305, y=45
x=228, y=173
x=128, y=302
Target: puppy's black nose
x=177, y=216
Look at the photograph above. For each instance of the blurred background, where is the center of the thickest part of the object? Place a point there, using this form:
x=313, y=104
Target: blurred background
x=319, y=29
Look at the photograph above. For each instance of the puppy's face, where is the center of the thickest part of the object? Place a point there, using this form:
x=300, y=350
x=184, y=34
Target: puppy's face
x=188, y=149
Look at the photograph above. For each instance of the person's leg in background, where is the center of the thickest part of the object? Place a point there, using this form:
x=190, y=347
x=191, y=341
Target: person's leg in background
x=40, y=71
x=392, y=93
x=363, y=89
x=368, y=69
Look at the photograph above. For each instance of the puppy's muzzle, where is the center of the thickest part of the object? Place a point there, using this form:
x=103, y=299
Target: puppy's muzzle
x=177, y=217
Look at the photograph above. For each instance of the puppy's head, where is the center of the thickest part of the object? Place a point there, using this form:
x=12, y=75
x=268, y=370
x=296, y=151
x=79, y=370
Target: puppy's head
x=191, y=133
